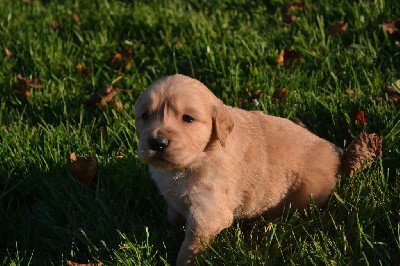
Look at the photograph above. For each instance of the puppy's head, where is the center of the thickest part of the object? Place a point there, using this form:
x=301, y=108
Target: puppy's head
x=178, y=122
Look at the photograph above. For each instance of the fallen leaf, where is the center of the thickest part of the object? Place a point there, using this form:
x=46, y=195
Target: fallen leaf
x=124, y=60
x=118, y=105
x=289, y=19
x=33, y=83
x=110, y=94
x=54, y=25
x=128, y=54
x=23, y=92
x=22, y=87
x=338, y=29
x=281, y=57
x=75, y=17
x=287, y=8
x=72, y=157
x=280, y=94
x=350, y=92
x=256, y=94
x=362, y=152
x=116, y=80
x=116, y=58
x=85, y=71
x=8, y=52
x=84, y=169
x=121, y=154
x=360, y=121
x=71, y=263
x=392, y=28
x=250, y=101
x=102, y=97
x=288, y=58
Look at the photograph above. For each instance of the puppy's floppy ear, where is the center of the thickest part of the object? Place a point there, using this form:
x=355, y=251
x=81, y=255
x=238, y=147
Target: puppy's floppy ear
x=223, y=123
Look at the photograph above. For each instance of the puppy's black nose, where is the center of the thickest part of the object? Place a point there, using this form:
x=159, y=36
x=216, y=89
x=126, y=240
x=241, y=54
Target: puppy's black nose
x=158, y=143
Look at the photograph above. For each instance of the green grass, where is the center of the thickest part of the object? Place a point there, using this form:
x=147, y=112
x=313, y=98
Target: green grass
x=47, y=217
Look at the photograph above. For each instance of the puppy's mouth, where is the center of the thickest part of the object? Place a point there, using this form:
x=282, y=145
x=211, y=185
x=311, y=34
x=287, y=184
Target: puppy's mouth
x=160, y=160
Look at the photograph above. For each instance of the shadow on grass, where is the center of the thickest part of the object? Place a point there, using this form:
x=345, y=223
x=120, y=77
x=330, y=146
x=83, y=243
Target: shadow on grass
x=55, y=218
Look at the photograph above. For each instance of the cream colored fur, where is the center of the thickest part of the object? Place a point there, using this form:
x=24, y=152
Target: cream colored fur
x=227, y=163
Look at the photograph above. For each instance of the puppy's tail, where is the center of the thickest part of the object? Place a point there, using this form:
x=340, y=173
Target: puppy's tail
x=362, y=152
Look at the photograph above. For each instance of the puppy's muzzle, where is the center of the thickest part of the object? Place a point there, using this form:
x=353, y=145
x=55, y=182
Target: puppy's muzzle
x=158, y=143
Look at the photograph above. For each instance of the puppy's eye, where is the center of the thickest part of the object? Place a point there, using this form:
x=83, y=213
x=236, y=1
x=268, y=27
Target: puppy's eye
x=145, y=115
x=187, y=118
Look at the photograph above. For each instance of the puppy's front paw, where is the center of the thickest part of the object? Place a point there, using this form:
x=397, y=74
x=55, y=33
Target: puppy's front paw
x=184, y=261
x=186, y=256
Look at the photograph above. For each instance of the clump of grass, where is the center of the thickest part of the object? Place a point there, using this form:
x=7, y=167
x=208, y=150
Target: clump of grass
x=47, y=217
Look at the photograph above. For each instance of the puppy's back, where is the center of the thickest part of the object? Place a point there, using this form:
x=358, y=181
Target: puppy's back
x=284, y=163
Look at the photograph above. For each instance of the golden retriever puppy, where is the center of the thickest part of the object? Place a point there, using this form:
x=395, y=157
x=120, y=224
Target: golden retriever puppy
x=214, y=163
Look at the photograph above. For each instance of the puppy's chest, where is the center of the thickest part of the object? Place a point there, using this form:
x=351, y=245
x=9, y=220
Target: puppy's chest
x=174, y=186
x=182, y=190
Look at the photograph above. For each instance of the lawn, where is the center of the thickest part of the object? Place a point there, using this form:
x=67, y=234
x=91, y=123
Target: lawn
x=339, y=76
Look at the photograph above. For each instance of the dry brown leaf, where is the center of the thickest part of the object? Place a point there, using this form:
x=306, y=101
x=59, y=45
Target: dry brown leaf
x=121, y=154
x=75, y=17
x=288, y=19
x=392, y=28
x=281, y=57
x=84, y=169
x=22, y=92
x=362, y=152
x=360, y=121
x=128, y=56
x=102, y=97
x=256, y=94
x=33, y=83
x=8, y=52
x=280, y=94
x=22, y=87
x=71, y=263
x=288, y=58
x=116, y=80
x=85, y=71
x=118, y=105
x=54, y=25
x=350, y=92
x=72, y=157
x=124, y=60
x=287, y=8
x=110, y=94
x=116, y=58
x=338, y=29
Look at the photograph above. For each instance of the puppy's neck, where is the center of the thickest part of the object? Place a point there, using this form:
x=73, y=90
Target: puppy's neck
x=168, y=174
